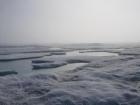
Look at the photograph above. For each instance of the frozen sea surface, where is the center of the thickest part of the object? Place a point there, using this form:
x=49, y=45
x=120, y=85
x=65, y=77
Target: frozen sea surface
x=22, y=62
x=100, y=80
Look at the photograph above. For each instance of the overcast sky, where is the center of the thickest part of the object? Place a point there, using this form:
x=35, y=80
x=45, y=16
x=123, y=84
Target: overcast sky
x=69, y=21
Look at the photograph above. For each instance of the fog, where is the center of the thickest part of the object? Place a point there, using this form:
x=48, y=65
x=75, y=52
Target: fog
x=69, y=21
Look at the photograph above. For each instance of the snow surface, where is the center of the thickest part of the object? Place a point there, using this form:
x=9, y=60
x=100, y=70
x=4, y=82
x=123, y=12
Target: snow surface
x=111, y=80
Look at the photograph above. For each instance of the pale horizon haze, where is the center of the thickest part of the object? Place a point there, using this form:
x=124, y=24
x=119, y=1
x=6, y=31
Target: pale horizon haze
x=69, y=21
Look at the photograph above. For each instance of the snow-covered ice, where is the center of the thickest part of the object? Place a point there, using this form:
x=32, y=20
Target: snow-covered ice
x=109, y=80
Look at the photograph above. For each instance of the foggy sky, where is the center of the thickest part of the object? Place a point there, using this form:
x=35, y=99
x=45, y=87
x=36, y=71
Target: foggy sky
x=69, y=21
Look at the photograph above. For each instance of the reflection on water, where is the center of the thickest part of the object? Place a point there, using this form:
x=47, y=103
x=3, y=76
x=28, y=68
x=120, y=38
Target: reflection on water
x=76, y=53
x=61, y=69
